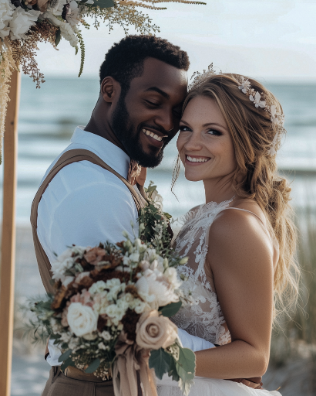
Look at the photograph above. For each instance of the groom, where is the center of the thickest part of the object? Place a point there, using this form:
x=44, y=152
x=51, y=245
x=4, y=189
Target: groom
x=88, y=196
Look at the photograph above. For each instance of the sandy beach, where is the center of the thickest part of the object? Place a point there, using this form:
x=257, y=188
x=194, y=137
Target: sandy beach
x=30, y=371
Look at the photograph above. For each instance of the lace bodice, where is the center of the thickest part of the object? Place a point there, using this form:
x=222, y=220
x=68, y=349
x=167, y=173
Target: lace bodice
x=205, y=318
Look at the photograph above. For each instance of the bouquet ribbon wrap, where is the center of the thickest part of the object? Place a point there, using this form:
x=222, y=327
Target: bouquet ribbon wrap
x=130, y=359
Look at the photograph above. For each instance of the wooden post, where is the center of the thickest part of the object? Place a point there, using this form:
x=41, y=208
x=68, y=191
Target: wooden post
x=8, y=235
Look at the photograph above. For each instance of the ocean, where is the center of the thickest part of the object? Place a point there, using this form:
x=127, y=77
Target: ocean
x=49, y=115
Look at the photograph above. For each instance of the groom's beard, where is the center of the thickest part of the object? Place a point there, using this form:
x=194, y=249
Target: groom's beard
x=129, y=136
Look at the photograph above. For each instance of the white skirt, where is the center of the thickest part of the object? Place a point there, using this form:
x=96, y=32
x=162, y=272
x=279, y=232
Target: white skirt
x=210, y=387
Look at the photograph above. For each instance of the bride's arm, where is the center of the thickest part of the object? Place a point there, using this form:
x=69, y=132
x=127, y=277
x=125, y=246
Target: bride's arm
x=241, y=258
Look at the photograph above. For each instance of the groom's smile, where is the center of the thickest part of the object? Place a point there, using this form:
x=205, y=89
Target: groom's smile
x=147, y=116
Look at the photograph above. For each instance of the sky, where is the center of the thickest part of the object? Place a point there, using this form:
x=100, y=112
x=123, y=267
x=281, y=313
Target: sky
x=267, y=39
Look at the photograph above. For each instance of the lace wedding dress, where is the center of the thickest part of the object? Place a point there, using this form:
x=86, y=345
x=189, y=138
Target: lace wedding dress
x=204, y=319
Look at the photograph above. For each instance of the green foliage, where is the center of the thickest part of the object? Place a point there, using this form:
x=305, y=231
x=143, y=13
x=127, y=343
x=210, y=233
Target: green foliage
x=58, y=37
x=67, y=363
x=104, y=3
x=65, y=356
x=173, y=372
x=160, y=360
x=186, y=368
x=93, y=366
x=83, y=52
x=171, y=309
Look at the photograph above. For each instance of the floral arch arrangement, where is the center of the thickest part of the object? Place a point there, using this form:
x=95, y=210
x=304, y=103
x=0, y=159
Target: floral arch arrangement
x=25, y=23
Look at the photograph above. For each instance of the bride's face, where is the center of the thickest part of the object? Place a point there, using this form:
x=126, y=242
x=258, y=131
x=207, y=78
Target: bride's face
x=204, y=142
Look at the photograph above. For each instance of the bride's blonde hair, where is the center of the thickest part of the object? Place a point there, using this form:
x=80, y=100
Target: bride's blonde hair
x=256, y=176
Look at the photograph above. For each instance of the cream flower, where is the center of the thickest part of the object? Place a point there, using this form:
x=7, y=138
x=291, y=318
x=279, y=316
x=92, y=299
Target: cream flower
x=82, y=319
x=21, y=22
x=62, y=263
x=6, y=13
x=97, y=287
x=116, y=312
x=257, y=100
x=154, y=331
x=245, y=85
x=156, y=289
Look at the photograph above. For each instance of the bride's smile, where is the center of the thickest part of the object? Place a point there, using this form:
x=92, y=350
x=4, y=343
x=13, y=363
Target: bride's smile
x=204, y=143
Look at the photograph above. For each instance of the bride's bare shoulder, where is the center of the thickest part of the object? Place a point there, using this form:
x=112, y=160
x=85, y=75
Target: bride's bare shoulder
x=240, y=233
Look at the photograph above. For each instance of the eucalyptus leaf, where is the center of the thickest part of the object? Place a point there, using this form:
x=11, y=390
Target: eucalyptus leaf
x=187, y=359
x=65, y=355
x=186, y=368
x=104, y=3
x=67, y=363
x=170, y=309
x=93, y=366
x=57, y=40
x=160, y=360
x=173, y=373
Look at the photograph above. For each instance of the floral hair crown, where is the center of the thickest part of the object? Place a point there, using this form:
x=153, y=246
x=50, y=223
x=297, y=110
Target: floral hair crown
x=277, y=119
x=199, y=78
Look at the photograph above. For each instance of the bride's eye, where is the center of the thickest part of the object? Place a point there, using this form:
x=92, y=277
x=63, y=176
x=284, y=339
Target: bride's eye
x=184, y=128
x=214, y=132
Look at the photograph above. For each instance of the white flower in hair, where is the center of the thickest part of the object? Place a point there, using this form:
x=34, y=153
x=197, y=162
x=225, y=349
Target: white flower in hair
x=257, y=101
x=277, y=119
x=245, y=85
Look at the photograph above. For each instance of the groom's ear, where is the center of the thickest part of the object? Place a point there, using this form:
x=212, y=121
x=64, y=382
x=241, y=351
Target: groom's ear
x=110, y=89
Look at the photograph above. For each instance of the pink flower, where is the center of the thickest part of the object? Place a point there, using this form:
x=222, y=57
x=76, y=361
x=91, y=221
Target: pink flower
x=84, y=298
x=95, y=255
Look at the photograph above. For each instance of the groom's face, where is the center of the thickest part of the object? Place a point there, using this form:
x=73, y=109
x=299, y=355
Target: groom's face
x=147, y=116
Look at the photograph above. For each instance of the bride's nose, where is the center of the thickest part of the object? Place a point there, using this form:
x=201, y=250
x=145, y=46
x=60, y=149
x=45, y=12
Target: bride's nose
x=194, y=142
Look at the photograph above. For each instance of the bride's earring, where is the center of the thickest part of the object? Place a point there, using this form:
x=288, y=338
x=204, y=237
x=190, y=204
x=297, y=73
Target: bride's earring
x=176, y=172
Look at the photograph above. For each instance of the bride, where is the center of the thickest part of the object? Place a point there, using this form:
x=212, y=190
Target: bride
x=241, y=242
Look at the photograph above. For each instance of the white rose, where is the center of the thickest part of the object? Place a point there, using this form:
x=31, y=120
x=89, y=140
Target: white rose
x=82, y=319
x=21, y=22
x=6, y=13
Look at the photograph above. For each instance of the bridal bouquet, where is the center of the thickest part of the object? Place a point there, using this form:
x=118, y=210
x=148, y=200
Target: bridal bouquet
x=111, y=307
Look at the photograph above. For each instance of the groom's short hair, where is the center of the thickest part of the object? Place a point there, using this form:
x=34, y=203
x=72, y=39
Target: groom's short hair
x=124, y=61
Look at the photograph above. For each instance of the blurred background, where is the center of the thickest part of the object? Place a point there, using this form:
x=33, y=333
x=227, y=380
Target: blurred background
x=273, y=41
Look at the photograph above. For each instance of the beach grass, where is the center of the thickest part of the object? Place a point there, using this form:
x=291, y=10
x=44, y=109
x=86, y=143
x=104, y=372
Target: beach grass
x=294, y=339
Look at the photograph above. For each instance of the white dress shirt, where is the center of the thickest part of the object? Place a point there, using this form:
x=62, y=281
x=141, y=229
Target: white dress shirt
x=85, y=204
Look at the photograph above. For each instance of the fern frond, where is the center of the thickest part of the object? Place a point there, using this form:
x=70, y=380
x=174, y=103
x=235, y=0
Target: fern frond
x=83, y=52
x=85, y=24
